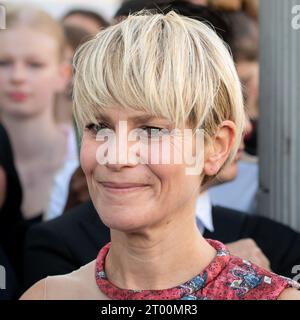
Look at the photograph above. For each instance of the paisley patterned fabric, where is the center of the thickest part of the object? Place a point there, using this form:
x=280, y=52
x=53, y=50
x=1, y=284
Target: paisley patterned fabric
x=226, y=278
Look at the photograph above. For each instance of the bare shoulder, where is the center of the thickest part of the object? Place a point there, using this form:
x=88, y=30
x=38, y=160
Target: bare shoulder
x=77, y=285
x=290, y=294
x=36, y=292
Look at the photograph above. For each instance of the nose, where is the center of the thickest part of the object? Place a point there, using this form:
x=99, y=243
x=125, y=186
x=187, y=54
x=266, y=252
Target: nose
x=117, y=167
x=119, y=152
x=18, y=73
x=124, y=159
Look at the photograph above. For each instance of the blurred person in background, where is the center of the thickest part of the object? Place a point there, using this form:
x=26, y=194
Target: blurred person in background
x=63, y=193
x=92, y=22
x=79, y=25
x=74, y=36
x=245, y=48
x=241, y=193
x=31, y=74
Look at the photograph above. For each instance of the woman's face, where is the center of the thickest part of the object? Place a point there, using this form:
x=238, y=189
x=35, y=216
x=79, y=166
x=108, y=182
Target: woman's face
x=30, y=72
x=248, y=72
x=135, y=196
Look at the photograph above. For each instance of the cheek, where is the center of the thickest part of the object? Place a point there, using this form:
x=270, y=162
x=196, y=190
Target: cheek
x=88, y=159
x=175, y=183
x=3, y=80
x=185, y=178
x=46, y=82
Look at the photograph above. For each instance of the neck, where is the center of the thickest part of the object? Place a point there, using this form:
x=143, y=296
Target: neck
x=159, y=258
x=32, y=136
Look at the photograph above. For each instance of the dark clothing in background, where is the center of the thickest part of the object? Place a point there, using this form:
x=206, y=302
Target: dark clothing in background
x=278, y=242
x=12, y=230
x=251, y=140
x=8, y=281
x=70, y=241
x=64, y=244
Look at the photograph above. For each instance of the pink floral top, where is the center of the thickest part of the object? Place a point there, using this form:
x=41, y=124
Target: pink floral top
x=226, y=278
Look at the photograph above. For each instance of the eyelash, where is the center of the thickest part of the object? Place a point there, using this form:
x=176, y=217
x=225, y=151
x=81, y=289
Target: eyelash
x=95, y=128
x=151, y=131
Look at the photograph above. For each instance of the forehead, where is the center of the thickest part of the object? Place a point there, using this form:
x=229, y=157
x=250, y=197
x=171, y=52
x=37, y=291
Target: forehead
x=27, y=41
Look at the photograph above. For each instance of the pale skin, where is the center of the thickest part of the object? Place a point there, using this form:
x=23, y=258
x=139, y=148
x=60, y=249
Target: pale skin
x=153, y=227
x=146, y=222
x=30, y=77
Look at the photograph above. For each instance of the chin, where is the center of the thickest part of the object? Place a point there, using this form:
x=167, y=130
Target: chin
x=22, y=113
x=123, y=219
x=124, y=225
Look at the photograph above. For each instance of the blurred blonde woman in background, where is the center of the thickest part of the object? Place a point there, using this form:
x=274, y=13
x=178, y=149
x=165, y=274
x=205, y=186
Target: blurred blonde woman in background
x=32, y=72
x=136, y=72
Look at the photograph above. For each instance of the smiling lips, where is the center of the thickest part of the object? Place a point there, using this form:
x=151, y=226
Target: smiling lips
x=123, y=187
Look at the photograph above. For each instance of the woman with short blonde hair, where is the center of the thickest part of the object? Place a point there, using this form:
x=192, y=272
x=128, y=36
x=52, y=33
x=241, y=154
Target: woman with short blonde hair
x=154, y=76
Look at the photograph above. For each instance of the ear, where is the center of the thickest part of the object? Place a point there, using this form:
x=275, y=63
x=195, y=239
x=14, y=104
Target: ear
x=64, y=76
x=218, y=148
